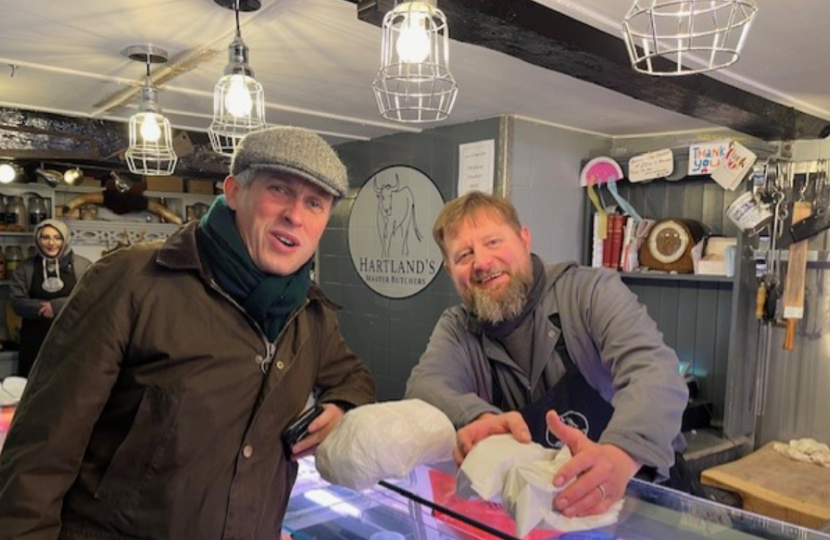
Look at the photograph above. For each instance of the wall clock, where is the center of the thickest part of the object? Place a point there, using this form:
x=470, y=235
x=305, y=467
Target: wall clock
x=669, y=244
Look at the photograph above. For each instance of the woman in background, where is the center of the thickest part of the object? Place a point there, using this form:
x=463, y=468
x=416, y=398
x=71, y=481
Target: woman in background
x=41, y=285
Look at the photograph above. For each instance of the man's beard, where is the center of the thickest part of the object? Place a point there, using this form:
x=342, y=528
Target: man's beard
x=502, y=304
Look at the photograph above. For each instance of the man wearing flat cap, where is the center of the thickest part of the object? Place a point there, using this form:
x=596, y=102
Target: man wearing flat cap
x=156, y=405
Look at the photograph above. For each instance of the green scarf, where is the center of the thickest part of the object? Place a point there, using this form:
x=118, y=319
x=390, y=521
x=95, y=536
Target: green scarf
x=269, y=299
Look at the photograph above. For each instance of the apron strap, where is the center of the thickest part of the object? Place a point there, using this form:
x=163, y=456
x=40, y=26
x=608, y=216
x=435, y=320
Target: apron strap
x=560, y=348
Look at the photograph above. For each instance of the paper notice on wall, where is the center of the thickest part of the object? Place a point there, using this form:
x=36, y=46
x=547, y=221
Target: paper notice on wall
x=476, y=166
x=706, y=157
x=652, y=165
x=734, y=167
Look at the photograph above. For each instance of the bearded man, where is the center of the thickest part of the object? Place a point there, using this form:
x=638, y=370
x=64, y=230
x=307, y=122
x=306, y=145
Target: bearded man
x=532, y=338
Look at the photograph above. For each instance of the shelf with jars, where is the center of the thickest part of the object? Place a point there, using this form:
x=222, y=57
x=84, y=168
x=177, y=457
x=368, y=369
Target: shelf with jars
x=23, y=206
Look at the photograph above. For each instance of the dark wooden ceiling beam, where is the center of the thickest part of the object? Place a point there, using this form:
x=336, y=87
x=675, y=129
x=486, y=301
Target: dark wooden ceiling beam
x=536, y=34
x=40, y=136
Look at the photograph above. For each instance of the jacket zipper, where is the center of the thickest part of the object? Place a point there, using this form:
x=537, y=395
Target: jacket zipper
x=270, y=348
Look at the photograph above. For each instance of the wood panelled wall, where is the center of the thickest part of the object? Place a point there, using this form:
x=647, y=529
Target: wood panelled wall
x=694, y=313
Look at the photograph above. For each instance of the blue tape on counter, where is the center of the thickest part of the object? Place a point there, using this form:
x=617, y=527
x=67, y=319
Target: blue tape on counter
x=586, y=535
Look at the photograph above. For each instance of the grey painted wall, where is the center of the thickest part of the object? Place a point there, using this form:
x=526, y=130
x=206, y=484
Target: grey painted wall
x=538, y=165
x=695, y=314
x=544, y=185
x=390, y=334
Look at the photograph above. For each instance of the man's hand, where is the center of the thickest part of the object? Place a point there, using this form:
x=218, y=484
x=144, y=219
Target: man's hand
x=318, y=430
x=489, y=424
x=601, y=472
x=46, y=310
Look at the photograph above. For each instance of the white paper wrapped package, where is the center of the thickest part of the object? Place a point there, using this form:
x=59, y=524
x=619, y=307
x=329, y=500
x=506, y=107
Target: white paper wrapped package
x=484, y=470
x=384, y=440
x=522, y=474
x=528, y=497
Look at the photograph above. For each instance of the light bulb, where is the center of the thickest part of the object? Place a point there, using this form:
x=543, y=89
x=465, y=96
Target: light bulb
x=413, y=43
x=70, y=176
x=150, y=130
x=238, y=100
x=7, y=173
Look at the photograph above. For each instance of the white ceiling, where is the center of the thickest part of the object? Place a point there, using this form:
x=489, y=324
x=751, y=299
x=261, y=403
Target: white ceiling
x=316, y=61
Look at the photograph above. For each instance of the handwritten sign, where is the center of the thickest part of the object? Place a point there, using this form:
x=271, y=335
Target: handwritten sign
x=649, y=166
x=706, y=157
x=734, y=167
x=476, y=167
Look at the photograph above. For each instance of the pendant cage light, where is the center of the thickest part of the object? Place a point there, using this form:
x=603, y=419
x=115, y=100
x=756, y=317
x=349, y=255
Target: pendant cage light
x=238, y=99
x=414, y=83
x=684, y=37
x=151, y=140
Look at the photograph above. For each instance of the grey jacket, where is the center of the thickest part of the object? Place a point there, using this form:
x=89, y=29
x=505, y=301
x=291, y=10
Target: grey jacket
x=612, y=341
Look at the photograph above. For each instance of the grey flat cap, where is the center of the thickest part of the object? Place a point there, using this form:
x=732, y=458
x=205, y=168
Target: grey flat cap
x=295, y=151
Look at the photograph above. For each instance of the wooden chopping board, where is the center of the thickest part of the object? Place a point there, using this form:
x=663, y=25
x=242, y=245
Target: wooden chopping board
x=776, y=486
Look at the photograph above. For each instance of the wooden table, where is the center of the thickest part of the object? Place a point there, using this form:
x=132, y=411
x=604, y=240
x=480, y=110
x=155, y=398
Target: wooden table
x=774, y=485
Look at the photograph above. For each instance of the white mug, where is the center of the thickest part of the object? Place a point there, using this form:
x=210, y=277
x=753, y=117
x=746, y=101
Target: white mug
x=749, y=213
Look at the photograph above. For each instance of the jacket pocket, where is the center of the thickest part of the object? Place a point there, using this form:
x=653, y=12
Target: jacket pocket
x=141, y=452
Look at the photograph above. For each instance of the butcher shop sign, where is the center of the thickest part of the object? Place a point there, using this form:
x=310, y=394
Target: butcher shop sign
x=390, y=232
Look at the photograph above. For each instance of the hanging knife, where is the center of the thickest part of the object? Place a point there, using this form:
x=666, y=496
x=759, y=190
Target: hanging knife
x=819, y=220
x=805, y=229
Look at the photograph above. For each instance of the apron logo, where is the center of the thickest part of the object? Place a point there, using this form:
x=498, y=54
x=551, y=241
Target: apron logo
x=574, y=419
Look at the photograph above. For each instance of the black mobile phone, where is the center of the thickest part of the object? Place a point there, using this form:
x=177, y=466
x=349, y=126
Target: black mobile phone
x=298, y=429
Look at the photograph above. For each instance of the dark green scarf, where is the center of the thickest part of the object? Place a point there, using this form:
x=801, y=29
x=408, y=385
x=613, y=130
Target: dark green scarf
x=269, y=299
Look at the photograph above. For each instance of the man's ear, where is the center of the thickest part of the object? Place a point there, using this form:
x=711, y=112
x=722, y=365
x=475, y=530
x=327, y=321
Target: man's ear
x=231, y=189
x=524, y=234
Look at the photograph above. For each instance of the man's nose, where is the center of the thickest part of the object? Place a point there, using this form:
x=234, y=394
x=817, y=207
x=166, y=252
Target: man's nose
x=293, y=212
x=481, y=261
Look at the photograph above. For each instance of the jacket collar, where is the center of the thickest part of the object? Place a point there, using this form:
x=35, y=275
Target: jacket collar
x=181, y=252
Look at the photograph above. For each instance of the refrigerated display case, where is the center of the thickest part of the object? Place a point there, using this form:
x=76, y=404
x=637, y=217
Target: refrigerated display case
x=424, y=506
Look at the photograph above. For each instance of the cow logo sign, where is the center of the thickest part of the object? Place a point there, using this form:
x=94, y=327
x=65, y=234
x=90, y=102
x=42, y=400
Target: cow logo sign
x=390, y=232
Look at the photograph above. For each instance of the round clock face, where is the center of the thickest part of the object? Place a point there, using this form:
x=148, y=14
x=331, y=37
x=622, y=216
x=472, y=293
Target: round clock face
x=668, y=241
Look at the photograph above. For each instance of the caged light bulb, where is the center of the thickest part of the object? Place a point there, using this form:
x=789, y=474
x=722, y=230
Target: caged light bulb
x=150, y=130
x=413, y=43
x=238, y=100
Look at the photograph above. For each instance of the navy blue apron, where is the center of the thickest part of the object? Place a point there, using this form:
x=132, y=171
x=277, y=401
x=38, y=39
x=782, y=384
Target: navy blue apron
x=576, y=402
x=580, y=406
x=33, y=331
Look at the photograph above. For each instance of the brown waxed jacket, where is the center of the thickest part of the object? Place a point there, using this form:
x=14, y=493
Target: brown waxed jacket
x=152, y=413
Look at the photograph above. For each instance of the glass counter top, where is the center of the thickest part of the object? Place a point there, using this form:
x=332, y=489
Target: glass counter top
x=424, y=506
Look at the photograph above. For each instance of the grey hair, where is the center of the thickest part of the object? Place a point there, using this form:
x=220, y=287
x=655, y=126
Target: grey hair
x=245, y=177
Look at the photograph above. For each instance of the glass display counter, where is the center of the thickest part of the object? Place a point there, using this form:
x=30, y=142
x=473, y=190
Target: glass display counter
x=424, y=507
